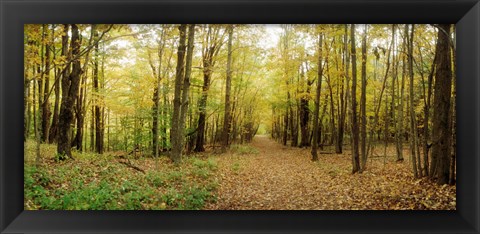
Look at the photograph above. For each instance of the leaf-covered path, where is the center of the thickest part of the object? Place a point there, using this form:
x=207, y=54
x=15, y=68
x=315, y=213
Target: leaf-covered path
x=280, y=177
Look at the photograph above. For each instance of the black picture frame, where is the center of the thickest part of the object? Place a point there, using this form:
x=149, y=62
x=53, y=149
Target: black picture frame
x=14, y=14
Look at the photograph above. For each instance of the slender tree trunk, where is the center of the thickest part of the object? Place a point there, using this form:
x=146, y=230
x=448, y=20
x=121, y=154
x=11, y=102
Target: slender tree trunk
x=92, y=128
x=156, y=93
x=176, y=132
x=64, y=53
x=37, y=118
x=426, y=120
x=363, y=102
x=393, y=119
x=332, y=104
x=46, y=113
x=80, y=114
x=317, y=101
x=355, y=133
x=293, y=123
x=344, y=97
x=186, y=88
x=400, y=126
x=228, y=83
x=285, y=128
x=98, y=103
x=378, y=107
x=304, y=112
x=413, y=125
x=210, y=50
x=26, y=109
x=40, y=83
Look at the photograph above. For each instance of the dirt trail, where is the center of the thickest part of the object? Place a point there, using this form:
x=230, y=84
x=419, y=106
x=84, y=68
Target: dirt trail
x=284, y=178
x=278, y=177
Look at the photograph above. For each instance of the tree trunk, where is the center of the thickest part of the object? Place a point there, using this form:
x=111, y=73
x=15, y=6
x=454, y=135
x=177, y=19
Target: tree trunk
x=344, y=97
x=317, y=101
x=363, y=102
x=355, y=133
x=98, y=103
x=413, y=125
x=210, y=50
x=186, y=87
x=442, y=137
x=332, y=104
x=304, y=110
x=176, y=132
x=46, y=113
x=228, y=83
x=70, y=86
x=453, y=120
x=400, y=128
x=285, y=128
x=426, y=119
x=156, y=93
x=377, y=109
x=64, y=73
x=80, y=114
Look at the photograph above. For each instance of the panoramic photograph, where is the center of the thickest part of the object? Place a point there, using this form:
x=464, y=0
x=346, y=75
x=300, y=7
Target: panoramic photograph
x=239, y=117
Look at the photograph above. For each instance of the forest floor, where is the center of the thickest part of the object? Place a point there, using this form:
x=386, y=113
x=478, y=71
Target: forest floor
x=262, y=175
x=277, y=177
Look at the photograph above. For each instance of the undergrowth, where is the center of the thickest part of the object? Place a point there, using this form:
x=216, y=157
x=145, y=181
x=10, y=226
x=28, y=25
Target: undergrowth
x=243, y=149
x=95, y=182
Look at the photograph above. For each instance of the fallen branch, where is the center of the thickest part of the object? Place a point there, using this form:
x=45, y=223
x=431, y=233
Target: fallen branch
x=128, y=164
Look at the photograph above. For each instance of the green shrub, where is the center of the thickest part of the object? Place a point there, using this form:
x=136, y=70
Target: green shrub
x=202, y=173
x=176, y=176
x=235, y=167
x=94, y=182
x=156, y=179
x=194, y=198
x=244, y=149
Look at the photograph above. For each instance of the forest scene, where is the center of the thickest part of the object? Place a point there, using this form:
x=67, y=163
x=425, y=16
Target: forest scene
x=239, y=117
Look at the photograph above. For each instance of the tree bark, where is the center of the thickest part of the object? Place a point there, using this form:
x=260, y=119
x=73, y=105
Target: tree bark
x=54, y=127
x=344, y=96
x=98, y=102
x=175, y=155
x=46, y=113
x=304, y=110
x=442, y=137
x=156, y=93
x=228, y=83
x=186, y=87
x=317, y=101
x=355, y=133
x=413, y=125
x=70, y=86
x=210, y=51
x=363, y=102
x=400, y=116
x=426, y=122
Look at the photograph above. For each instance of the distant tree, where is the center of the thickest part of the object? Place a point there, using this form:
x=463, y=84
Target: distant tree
x=317, y=101
x=157, y=74
x=211, y=48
